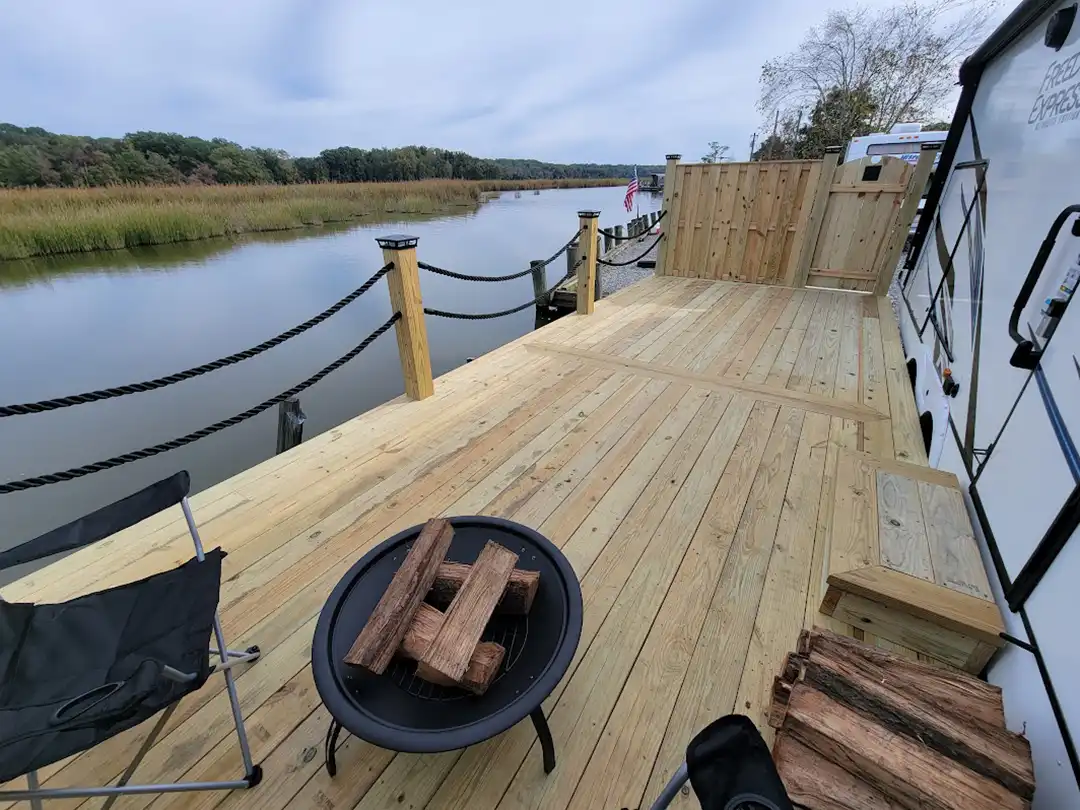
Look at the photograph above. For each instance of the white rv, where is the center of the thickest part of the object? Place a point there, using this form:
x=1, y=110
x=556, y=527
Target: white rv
x=903, y=141
x=994, y=354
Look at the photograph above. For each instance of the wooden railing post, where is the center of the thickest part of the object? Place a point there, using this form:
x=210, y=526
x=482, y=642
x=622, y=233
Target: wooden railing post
x=669, y=226
x=904, y=218
x=404, y=284
x=586, y=272
x=817, y=215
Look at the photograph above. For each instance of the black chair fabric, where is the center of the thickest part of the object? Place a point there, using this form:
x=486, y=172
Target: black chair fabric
x=76, y=673
x=731, y=769
x=103, y=522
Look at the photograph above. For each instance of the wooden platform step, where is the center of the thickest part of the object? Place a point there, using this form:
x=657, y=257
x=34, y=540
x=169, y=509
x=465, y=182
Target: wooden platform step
x=904, y=564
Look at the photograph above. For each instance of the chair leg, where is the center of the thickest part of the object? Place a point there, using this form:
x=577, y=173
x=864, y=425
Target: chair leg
x=33, y=785
x=147, y=744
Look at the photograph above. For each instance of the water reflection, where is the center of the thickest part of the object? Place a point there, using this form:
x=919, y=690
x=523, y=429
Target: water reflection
x=96, y=320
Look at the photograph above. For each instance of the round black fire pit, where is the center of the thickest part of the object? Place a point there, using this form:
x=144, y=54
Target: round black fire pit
x=399, y=711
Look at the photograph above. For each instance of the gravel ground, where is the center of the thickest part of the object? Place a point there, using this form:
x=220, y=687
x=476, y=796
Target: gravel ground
x=613, y=279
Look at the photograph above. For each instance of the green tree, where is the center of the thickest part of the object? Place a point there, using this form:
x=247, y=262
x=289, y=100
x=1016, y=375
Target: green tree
x=716, y=153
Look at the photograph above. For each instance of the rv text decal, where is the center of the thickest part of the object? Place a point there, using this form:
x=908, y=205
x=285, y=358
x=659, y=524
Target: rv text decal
x=1059, y=96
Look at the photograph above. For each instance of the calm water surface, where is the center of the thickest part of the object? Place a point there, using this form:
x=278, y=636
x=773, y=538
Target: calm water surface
x=80, y=323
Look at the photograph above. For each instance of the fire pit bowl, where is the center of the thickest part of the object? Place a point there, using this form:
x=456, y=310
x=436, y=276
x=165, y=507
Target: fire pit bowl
x=401, y=712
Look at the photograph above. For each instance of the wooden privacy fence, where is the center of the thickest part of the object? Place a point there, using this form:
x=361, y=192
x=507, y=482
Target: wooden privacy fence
x=792, y=223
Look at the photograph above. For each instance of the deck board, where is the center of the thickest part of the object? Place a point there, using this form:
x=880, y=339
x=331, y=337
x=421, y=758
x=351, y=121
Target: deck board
x=680, y=445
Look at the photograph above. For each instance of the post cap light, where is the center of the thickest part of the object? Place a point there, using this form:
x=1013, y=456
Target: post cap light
x=397, y=241
x=588, y=214
x=672, y=157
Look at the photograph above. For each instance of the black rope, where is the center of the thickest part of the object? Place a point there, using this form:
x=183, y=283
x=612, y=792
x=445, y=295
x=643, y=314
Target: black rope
x=147, y=452
x=465, y=277
x=618, y=238
x=468, y=316
x=656, y=241
x=161, y=382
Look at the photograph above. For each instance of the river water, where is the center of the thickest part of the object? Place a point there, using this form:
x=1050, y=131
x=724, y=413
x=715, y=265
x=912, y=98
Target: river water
x=92, y=321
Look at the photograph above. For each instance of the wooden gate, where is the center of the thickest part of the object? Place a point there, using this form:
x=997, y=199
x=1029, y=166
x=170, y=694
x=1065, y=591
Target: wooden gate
x=862, y=230
x=740, y=221
x=794, y=223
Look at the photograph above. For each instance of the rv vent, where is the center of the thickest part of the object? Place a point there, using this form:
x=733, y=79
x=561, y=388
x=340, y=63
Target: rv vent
x=1058, y=27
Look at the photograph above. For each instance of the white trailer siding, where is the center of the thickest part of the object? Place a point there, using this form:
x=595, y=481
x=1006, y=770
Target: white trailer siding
x=1013, y=170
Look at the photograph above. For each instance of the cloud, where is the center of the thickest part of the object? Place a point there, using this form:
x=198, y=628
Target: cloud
x=562, y=80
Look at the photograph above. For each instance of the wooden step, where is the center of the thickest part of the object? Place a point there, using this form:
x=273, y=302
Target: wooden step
x=904, y=564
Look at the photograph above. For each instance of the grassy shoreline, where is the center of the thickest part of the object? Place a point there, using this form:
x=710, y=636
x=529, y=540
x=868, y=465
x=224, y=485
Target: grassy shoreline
x=53, y=222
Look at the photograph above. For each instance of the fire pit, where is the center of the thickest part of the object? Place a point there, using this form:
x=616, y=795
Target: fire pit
x=399, y=711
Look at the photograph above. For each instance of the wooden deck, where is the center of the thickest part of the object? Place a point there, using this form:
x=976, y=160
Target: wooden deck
x=677, y=444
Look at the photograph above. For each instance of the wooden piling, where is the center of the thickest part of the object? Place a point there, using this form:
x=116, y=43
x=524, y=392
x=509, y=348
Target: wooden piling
x=291, y=420
x=403, y=282
x=609, y=243
x=586, y=271
x=539, y=281
x=619, y=233
x=669, y=227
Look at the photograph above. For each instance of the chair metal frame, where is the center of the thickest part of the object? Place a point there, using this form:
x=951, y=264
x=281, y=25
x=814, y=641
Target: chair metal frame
x=227, y=660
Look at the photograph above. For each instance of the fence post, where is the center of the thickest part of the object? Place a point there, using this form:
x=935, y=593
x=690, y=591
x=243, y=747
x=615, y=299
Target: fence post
x=586, y=272
x=290, y=428
x=539, y=280
x=670, y=229
x=404, y=284
x=916, y=184
x=817, y=215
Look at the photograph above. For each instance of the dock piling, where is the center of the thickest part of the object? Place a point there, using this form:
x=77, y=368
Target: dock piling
x=539, y=281
x=586, y=271
x=403, y=282
x=290, y=431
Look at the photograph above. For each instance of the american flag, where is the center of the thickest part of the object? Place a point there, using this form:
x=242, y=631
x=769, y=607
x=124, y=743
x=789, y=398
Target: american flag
x=631, y=190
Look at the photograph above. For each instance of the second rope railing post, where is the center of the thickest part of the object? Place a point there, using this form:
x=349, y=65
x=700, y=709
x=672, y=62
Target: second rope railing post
x=586, y=271
x=403, y=282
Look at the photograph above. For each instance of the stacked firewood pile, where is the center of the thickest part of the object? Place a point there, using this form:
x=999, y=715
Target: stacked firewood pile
x=446, y=646
x=861, y=729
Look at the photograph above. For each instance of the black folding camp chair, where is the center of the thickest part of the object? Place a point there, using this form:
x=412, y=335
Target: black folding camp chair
x=74, y=674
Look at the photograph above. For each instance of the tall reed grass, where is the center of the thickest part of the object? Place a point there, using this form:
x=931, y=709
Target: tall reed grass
x=50, y=222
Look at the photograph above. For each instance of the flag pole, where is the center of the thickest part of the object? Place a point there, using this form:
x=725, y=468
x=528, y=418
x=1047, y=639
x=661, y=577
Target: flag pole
x=637, y=206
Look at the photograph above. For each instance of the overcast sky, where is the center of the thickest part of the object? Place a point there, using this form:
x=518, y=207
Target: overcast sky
x=560, y=80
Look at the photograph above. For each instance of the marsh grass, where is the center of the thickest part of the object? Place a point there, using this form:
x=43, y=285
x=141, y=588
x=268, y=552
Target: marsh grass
x=52, y=222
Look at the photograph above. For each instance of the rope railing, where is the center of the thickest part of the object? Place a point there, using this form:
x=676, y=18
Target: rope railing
x=637, y=258
x=147, y=452
x=161, y=382
x=468, y=316
x=510, y=277
x=617, y=238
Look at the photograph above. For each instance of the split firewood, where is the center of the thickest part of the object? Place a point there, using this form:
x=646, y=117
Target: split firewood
x=483, y=666
x=374, y=648
x=451, y=651
x=815, y=783
x=516, y=600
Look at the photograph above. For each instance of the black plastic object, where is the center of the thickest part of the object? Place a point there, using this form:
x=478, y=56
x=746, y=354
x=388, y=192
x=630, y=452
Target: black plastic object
x=731, y=769
x=1058, y=27
x=102, y=523
x=397, y=710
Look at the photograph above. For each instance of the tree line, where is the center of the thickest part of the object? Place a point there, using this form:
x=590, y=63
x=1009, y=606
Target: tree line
x=34, y=157
x=863, y=70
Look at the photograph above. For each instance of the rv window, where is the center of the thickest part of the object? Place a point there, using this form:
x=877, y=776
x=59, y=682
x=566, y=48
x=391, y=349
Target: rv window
x=892, y=148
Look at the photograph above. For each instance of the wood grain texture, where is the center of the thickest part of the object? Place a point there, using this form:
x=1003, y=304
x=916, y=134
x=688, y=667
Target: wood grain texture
x=516, y=599
x=916, y=775
x=374, y=648
x=957, y=564
x=815, y=783
x=403, y=282
x=483, y=666
x=450, y=652
x=904, y=546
